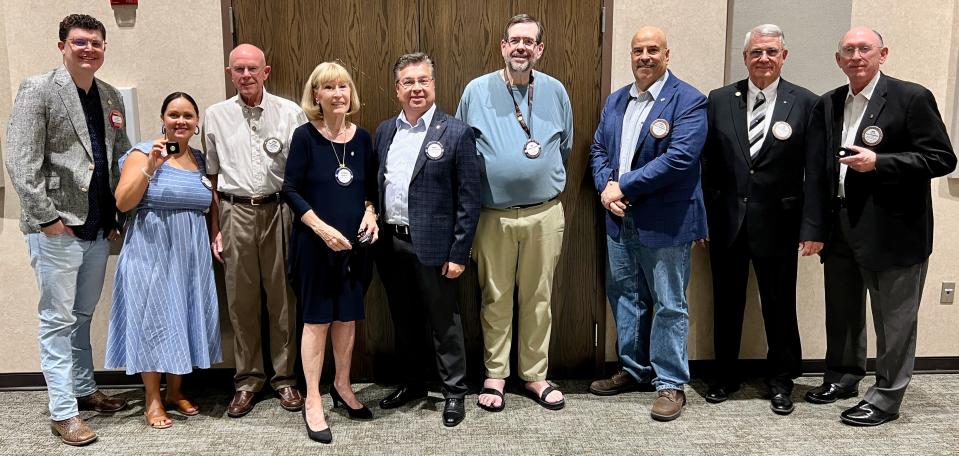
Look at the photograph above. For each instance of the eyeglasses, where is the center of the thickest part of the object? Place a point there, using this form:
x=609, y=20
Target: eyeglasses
x=408, y=84
x=517, y=42
x=81, y=43
x=758, y=53
x=253, y=70
x=849, y=51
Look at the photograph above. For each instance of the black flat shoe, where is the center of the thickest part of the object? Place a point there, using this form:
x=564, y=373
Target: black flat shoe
x=781, y=404
x=453, y=412
x=401, y=396
x=361, y=413
x=827, y=393
x=718, y=394
x=322, y=436
x=866, y=414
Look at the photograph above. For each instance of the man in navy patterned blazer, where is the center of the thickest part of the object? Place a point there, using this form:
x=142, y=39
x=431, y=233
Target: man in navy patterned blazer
x=645, y=163
x=429, y=192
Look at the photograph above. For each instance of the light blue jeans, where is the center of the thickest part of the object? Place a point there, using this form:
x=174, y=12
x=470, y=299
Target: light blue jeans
x=647, y=292
x=70, y=275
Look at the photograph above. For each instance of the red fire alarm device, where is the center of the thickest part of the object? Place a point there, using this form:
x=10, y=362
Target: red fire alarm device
x=123, y=2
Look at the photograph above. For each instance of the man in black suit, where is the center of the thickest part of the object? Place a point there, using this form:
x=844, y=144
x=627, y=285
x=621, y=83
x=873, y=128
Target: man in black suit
x=892, y=142
x=763, y=174
x=429, y=192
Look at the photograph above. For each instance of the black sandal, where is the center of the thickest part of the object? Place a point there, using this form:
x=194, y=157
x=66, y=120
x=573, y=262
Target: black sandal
x=541, y=399
x=494, y=392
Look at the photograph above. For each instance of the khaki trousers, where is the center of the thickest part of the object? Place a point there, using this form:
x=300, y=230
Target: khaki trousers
x=518, y=248
x=255, y=245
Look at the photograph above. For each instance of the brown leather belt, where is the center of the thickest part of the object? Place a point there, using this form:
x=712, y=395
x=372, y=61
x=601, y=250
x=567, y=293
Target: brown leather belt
x=254, y=201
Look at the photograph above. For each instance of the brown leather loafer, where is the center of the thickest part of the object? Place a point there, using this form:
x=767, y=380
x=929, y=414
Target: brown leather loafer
x=669, y=405
x=620, y=382
x=241, y=404
x=101, y=403
x=73, y=431
x=290, y=398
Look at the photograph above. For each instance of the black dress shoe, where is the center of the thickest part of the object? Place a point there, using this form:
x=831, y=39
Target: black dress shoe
x=866, y=414
x=781, y=404
x=827, y=393
x=453, y=411
x=362, y=413
x=322, y=436
x=401, y=396
x=717, y=394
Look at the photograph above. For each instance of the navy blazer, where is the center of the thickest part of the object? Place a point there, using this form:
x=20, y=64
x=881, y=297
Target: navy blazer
x=780, y=193
x=444, y=194
x=663, y=186
x=890, y=208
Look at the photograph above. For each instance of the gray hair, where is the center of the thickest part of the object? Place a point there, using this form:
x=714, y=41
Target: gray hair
x=878, y=35
x=414, y=58
x=770, y=30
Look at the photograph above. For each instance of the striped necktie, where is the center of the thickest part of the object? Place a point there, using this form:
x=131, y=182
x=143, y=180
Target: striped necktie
x=756, y=130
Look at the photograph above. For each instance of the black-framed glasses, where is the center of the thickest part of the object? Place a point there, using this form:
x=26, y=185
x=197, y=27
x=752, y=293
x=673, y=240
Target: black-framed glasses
x=517, y=42
x=81, y=43
x=408, y=84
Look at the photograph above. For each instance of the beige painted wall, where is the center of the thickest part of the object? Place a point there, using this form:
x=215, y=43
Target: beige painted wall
x=922, y=50
x=163, y=52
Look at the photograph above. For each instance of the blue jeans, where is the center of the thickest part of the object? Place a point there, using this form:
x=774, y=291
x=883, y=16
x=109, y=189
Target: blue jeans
x=647, y=292
x=70, y=278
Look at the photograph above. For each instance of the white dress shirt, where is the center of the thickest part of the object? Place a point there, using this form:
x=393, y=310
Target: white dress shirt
x=851, y=119
x=640, y=103
x=400, y=161
x=770, y=93
x=233, y=137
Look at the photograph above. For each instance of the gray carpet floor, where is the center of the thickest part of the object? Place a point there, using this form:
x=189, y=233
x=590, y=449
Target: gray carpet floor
x=589, y=425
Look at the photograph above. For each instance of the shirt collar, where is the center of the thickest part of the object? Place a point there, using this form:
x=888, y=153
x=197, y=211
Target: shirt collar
x=426, y=119
x=868, y=90
x=768, y=92
x=653, y=89
x=263, y=101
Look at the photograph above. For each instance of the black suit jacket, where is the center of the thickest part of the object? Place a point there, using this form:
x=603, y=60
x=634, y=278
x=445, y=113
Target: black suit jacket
x=781, y=192
x=890, y=208
x=444, y=195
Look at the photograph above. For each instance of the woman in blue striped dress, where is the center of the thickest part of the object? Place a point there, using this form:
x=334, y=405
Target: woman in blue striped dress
x=164, y=317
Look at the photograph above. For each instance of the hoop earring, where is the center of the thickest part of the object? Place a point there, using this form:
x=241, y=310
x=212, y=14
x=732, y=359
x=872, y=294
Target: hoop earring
x=196, y=131
x=162, y=129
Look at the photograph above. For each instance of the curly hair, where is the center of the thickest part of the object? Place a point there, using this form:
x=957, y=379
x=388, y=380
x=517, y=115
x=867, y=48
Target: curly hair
x=81, y=21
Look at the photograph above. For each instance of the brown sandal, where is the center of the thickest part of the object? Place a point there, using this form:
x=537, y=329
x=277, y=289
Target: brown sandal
x=184, y=406
x=155, y=420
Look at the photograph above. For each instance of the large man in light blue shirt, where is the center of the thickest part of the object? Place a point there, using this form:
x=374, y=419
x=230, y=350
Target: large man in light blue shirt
x=524, y=132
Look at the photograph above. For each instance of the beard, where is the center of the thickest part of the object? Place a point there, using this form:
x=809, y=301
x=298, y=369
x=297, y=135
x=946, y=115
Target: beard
x=521, y=68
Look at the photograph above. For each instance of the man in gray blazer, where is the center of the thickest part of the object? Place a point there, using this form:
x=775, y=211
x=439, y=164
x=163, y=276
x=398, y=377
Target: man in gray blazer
x=65, y=135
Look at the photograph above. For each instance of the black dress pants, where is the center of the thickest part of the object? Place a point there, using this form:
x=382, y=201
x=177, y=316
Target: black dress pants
x=776, y=279
x=426, y=316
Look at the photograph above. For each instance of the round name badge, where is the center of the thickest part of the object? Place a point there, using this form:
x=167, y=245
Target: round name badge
x=434, y=150
x=272, y=145
x=531, y=149
x=782, y=130
x=116, y=119
x=206, y=182
x=872, y=135
x=344, y=176
x=659, y=128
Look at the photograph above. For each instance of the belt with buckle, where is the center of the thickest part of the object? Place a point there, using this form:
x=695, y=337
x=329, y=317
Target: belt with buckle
x=252, y=201
x=400, y=231
x=527, y=206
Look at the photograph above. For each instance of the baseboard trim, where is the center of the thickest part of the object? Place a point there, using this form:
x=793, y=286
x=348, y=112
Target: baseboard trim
x=223, y=377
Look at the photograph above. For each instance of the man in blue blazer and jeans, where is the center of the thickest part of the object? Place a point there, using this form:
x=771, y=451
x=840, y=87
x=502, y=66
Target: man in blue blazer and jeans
x=429, y=194
x=645, y=162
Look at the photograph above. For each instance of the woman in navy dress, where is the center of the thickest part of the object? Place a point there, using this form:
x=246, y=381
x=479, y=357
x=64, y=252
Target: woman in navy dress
x=164, y=317
x=330, y=183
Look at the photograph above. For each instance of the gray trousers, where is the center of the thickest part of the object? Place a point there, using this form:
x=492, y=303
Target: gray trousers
x=894, y=295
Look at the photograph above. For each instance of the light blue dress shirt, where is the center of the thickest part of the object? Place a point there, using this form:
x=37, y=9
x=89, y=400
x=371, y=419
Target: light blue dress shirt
x=400, y=161
x=636, y=112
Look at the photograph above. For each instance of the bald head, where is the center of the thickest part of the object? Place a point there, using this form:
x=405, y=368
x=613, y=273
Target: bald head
x=649, y=55
x=248, y=71
x=860, y=54
x=248, y=52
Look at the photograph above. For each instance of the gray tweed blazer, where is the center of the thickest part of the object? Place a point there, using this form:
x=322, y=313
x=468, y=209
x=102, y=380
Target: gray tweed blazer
x=48, y=151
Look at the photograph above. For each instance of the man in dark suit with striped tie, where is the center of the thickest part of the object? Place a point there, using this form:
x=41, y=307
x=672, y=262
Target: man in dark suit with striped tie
x=763, y=169
x=429, y=193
